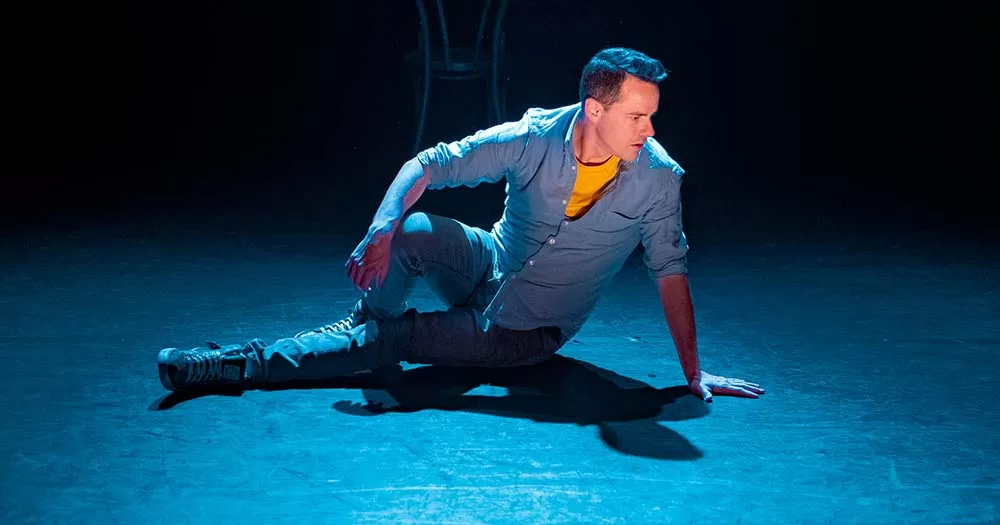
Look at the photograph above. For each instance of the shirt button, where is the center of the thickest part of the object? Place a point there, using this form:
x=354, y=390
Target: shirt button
x=565, y=223
x=552, y=241
x=531, y=262
x=565, y=201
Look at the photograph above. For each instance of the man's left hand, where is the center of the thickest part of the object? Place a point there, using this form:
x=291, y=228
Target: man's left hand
x=705, y=385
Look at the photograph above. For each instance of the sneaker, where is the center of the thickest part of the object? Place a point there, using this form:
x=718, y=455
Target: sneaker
x=211, y=366
x=355, y=317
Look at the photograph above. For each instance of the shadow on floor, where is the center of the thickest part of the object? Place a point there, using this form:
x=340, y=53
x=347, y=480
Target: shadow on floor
x=627, y=412
x=560, y=390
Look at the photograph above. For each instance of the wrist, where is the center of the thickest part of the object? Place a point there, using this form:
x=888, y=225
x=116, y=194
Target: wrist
x=384, y=223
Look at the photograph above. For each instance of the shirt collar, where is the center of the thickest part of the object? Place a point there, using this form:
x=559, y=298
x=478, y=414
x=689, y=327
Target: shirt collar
x=576, y=109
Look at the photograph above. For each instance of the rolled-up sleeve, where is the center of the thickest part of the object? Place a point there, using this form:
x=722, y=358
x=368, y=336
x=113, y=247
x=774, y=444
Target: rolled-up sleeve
x=663, y=240
x=489, y=155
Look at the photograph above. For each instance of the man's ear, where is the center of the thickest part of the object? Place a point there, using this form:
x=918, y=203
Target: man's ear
x=592, y=108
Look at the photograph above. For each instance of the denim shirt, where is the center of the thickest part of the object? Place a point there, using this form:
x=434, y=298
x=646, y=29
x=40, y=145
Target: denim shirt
x=552, y=270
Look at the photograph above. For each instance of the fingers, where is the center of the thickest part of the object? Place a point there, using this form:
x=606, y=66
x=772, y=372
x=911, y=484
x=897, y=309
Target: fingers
x=364, y=281
x=352, y=269
x=741, y=382
x=746, y=385
x=377, y=271
x=742, y=385
x=355, y=272
x=381, y=275
x=369, y=264
x=358, y=272
x=368, y=274
x=708, y=385
x=735, y=391
x=743, y=392
x=364, y=273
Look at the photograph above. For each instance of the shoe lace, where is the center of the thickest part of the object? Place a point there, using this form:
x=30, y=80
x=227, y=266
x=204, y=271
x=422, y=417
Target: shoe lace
x=349, y=322
x=341, y=325
x=204, y=366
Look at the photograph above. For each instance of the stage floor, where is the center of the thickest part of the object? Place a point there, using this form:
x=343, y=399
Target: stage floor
x=879, y=357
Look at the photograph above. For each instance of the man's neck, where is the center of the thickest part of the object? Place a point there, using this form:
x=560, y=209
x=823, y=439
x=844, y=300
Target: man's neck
x=586, y=146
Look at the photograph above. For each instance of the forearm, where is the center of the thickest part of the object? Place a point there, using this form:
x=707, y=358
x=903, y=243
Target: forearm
x=679, y=310
x=410, y=183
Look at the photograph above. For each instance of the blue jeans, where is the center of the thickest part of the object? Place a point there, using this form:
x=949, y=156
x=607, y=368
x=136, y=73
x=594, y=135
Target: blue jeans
x=458, y=264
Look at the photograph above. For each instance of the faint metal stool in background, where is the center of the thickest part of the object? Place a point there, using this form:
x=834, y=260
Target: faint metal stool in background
x=485, y=58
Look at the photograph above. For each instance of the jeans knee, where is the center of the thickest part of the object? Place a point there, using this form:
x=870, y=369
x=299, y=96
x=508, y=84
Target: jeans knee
x=416, y=222
x=414, y=236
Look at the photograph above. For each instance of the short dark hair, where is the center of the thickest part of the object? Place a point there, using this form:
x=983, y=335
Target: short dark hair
x=603, y=76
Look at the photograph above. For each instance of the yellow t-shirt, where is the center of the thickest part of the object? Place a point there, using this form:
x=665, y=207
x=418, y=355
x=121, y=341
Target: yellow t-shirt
x=590, y=183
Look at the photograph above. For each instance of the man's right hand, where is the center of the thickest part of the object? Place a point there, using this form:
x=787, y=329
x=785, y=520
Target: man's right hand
x=370, y=260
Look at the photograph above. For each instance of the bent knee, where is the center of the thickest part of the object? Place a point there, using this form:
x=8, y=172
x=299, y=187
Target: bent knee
x=416, y=223
x=426, y=237
x=416, y=231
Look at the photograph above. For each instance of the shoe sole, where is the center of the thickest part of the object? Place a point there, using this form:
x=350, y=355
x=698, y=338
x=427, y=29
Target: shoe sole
x=162, y=360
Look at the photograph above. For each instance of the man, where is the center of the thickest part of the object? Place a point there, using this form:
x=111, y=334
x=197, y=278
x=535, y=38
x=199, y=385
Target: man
x=586, y=184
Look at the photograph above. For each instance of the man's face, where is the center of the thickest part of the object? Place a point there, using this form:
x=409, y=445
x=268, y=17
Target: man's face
x=624, y=126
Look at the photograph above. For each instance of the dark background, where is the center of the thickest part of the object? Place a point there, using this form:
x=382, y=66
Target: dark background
x=788, y=116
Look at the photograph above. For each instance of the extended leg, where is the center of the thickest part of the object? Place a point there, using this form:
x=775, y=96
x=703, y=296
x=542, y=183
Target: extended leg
x=452, y=337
